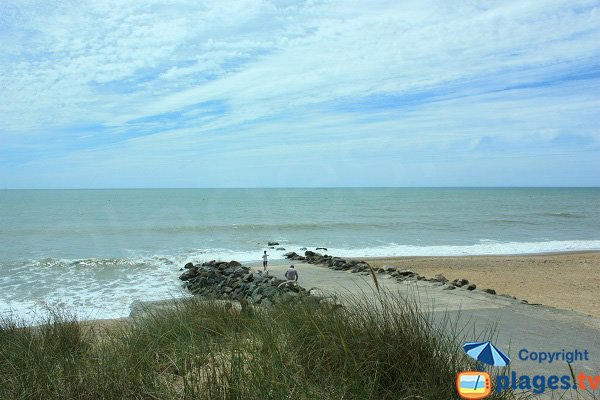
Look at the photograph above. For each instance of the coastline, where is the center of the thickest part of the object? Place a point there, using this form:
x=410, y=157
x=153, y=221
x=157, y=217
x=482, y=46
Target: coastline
x=566, y=280
x=553, y=279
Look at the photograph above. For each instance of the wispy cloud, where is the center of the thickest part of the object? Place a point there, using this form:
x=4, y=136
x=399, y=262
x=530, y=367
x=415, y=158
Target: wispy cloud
x=108, y=87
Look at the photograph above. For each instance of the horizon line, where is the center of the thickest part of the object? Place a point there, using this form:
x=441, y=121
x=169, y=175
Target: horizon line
x=310, y=187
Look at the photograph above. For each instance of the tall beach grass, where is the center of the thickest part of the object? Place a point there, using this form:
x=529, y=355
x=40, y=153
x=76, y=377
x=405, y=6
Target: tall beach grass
x=382, y=349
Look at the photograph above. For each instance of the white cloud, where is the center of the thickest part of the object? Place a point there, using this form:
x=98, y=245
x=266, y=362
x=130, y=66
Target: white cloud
x=283, y=71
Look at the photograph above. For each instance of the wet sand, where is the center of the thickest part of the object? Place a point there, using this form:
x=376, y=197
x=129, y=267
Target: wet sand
x=570, y=281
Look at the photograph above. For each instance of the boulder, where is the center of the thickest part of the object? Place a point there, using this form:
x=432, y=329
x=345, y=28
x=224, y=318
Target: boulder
x=441, y=278
x=189, y=274
x=470, y=286
x=231, y=280
x=460, y=282
x=189, y=265
x=273, y=244
x=321, y=248
x=490, y=291
x=280, y=248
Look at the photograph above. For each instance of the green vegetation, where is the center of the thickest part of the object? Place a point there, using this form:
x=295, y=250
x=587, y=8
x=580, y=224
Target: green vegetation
x=211, y=349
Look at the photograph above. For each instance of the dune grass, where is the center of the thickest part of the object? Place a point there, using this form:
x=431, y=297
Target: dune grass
x=386, y=349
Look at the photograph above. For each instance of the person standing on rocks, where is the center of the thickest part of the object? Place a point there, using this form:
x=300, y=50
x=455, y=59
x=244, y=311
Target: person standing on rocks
x=265, y=257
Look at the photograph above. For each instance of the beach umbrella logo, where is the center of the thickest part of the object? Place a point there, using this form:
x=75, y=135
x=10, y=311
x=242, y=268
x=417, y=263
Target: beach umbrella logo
x=486, y=353
x=475, y=385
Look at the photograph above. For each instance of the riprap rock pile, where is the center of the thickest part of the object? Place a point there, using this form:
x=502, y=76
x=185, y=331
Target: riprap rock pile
x=233, y=281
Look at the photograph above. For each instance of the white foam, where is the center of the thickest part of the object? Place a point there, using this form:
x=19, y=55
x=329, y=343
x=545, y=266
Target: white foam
x=105, y=288
x=486, y=247
x=100, y=290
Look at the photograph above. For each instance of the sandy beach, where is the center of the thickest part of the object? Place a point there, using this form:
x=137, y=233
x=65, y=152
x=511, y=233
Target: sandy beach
x=568, y=281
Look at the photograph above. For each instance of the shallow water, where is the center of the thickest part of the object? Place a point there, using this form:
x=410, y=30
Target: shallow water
x=99, y=250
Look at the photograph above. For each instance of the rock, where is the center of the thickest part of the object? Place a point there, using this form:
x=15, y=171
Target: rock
x=280, y=248
x=266, y=302
x=233, y=281
x=302, y=249
x=470, y=286
x=208, y=263
x=321, y=248
x=189, y=265
x=269, y=291
x=273, y=244
x=460, y=282
x=490, y=291
x=256, y=298
x=189, y=274
x=309, y=253
x=441, y=278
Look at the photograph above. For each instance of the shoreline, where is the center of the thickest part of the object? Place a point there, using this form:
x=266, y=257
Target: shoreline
x=565, y=280
x=549, y=253
x=566, y=286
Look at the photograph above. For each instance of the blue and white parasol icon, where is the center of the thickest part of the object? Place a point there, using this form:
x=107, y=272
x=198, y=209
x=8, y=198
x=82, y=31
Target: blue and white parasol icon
x=487, y=353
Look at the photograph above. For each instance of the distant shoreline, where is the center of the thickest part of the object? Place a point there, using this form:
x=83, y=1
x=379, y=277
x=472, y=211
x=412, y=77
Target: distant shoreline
x=567, y=280
x=540, y=254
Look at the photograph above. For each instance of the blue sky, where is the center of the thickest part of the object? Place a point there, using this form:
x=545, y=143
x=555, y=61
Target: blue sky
x=114, y=93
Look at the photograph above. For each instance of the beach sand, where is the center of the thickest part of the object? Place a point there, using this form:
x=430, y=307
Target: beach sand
x=569, y=281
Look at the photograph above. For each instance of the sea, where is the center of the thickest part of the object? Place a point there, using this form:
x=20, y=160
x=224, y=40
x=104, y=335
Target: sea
x=92, y=253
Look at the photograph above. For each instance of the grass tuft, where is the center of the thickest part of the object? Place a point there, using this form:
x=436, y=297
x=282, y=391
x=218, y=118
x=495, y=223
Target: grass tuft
x=382, y=349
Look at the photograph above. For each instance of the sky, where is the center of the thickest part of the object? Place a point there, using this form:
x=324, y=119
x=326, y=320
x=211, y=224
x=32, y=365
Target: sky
x=135, y=94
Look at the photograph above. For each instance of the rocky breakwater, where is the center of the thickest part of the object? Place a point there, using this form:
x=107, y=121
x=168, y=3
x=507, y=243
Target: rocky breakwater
x=336, y=263
x=233, y=281
x=399, y=274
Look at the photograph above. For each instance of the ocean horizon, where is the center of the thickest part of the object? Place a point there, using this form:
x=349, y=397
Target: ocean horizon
x=98, y=250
